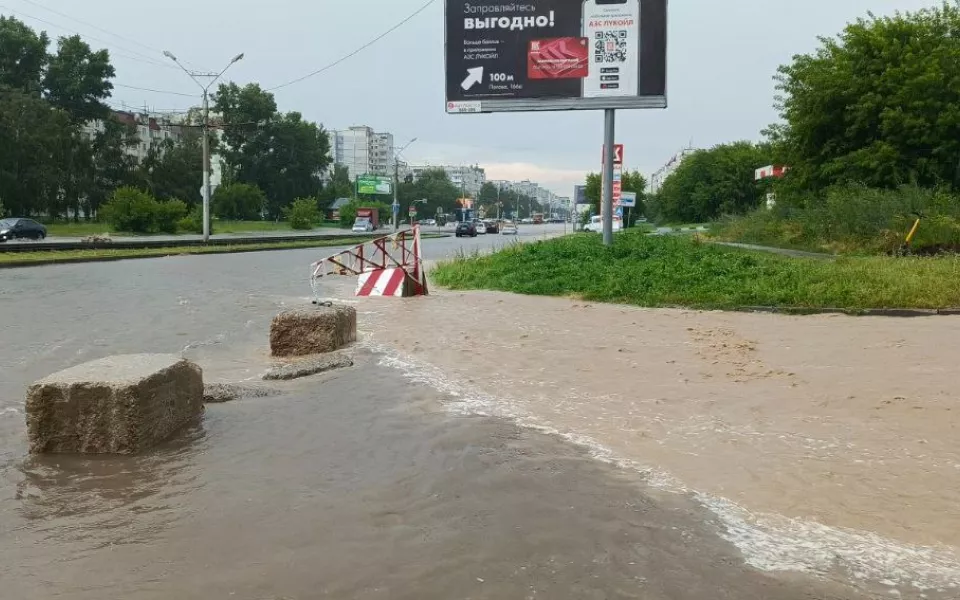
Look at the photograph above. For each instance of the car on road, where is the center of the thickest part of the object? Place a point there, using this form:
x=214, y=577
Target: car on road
x=480, y=227
x=492, y=226
x=596, y=225
x=465, y=228
x=508, y=228
x=526, y=221
x=21, y=229
x=362, y=226
x=429, y=222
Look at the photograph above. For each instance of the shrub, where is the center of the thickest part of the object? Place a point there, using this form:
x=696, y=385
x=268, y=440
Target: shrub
x=130, y=209
x=303, y=213
x=193, y=222
x=239, y=202
x=169, y=214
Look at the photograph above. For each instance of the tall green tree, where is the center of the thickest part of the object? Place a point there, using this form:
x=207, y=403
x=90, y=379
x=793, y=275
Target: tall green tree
x=23, y=56
x=435, y=187
x=630, y=181
x=175, y=169
x=715, y=182
x=282, y=154
x=77, y=80
x=879, y=104
x=339, y=186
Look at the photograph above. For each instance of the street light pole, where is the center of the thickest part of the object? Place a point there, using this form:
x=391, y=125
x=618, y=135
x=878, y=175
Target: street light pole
x=205, y=189
x=395, y=209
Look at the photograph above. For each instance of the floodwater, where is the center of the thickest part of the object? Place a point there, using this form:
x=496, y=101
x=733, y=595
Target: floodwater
x=373, y=482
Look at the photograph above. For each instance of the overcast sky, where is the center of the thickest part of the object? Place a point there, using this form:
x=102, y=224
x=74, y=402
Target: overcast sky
x=721, y=58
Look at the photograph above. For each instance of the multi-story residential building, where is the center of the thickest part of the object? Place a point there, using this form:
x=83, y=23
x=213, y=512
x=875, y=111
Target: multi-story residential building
x=363, y=151
x=468, y=178
x=656, y=181
x=151, y=129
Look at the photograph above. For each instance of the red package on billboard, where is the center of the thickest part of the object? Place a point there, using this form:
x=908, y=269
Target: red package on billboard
x=558, y=58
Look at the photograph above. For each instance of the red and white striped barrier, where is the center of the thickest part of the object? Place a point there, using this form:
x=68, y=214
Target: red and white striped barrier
x=387, y=266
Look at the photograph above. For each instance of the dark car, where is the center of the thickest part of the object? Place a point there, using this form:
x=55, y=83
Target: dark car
x=492, y=226
x=13, y=229
x=466, y=228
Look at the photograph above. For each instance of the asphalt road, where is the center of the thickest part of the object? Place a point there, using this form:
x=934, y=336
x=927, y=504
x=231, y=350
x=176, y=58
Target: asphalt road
x=281, y=233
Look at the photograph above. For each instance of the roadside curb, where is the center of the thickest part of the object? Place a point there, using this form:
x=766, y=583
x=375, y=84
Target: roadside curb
x=854, y=312
x=192, y=251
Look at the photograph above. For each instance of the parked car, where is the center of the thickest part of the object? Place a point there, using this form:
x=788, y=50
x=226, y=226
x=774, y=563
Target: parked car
x=19, y=228
x=466, y=228
x=508, y=228
x=492, y=226
x=481, y=228
x=527, y=221
x=596, y=225
x=362, y=226
x=429, y=222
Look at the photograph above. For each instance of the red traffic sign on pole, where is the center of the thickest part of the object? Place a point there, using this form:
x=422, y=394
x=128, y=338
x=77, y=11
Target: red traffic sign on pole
x=617, y=155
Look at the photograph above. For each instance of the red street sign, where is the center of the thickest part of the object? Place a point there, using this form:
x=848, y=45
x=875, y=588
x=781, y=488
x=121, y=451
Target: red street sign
x=617, y=154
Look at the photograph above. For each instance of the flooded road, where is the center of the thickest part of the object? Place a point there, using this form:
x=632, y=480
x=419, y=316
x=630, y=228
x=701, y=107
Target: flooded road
x=360, y=484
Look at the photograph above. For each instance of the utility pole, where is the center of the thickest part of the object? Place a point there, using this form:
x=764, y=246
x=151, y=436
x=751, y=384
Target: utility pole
x=606, y=202
x=395, y=209
x=205, y=189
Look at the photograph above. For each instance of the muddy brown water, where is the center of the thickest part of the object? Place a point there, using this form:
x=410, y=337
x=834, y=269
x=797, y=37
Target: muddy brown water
x=367, y=483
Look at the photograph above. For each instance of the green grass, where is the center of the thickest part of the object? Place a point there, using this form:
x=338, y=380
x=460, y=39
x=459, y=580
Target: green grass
x=8, y=259
x=84, y=229
x=683, y=271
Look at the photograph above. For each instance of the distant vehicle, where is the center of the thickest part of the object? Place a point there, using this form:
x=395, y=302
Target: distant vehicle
x=492, y=226
x=526, y=221
x=642, y=220
x=596, y=225
x=537, y=218
x=508, y=228
x=367, y=220
x=429, y=222
x=19, y=229
x=555, y=220
x=466, y=228
x=480, y=227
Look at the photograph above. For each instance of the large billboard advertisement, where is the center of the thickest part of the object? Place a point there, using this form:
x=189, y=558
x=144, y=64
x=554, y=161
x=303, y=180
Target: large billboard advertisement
x=555, y=55
x=373, y=185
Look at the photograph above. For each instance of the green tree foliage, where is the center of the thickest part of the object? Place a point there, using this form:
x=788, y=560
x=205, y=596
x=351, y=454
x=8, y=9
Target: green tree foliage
x=136, y=211
x=77, y=80
x=303, y=213
x=339, y=186
x=23, y=56
x=630, y=181
x=193, y=222
x=239, y=202
x=879, y=104
x=282, y=154
x=715, y=182
x=175, y=170
x=435, y=187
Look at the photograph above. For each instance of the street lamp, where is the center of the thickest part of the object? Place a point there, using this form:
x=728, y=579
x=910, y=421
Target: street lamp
x=205, y=190
x=396, y=184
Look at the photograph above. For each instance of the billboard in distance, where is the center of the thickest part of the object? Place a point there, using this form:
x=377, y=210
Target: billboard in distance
x=374, y=185
x=529, y=55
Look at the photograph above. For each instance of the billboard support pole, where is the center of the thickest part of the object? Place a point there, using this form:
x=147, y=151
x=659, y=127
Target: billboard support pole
x=609, y=129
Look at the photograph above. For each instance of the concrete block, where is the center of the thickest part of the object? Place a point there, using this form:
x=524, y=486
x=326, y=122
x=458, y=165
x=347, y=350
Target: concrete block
x=115, y=405
x=313, y=331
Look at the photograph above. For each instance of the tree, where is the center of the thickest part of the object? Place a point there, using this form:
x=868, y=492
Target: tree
x=77, y=80
x=630, y=181
x=435, y=187
x=339, y=186
x=111, y=166
x=878, y=104
x=282, y=154
x=175, y=170
x=715, y=182
x=303, y=213
x=239, y=202
x=23, y=56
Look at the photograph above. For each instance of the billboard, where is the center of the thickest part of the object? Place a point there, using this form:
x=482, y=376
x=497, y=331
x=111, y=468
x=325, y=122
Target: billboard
x=628, y=199
x=529, y=55
x=580, y=194
x=372, y=184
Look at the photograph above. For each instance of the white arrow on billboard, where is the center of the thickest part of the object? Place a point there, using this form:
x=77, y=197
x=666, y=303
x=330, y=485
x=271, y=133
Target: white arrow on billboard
x=474, y=76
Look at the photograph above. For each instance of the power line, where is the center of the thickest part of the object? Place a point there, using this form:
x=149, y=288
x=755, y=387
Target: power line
x=142, y=57
x=358, y=50
x=143, y=89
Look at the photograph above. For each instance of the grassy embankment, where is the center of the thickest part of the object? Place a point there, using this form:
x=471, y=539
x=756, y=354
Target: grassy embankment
x=852, y=220
x=682, y=271
x=84, y=229
x=9, y=259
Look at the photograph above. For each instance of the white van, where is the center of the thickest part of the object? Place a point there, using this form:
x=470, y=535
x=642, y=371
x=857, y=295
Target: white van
x=596, y=224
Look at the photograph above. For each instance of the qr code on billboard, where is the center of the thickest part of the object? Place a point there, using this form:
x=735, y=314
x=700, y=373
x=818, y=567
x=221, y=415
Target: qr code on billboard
x=610, y=46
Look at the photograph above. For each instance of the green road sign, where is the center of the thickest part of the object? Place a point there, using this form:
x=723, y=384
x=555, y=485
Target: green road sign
x=372, y=184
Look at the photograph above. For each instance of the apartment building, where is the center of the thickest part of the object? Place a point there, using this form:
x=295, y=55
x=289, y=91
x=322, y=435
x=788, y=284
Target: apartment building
x=468, y=178
x=151, y=129
x=363, y=151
